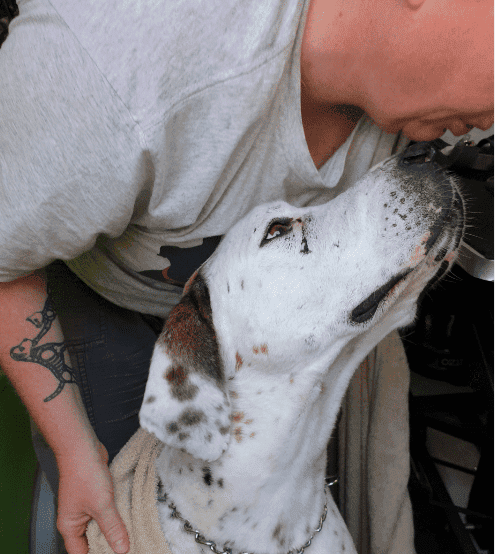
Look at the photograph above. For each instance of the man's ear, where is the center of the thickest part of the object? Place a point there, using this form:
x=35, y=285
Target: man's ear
x=185, y=403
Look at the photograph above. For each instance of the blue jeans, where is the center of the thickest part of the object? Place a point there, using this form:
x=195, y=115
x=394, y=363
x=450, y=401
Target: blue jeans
x=110, y=350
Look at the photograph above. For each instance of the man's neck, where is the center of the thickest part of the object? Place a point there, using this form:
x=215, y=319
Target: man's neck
x=326, y=127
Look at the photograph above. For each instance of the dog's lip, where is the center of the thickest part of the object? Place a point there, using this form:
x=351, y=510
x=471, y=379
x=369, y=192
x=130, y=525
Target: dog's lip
x=366, y=309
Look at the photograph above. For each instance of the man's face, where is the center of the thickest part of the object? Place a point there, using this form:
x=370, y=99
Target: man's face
x=435, y=72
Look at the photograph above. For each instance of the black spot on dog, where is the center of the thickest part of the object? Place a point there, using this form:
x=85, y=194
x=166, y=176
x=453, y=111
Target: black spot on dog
x=343, y=547
x=210, y=502
x=224, y=430
x=228, y=288
x=150, y=399
x=183, y=436
x=304, y=247
x=191, y=417
x=234, y=509
x=242, y=285
x=335, y=532
x=220, y=483
x=207, y=478
x=208, y=437
x=172, y=427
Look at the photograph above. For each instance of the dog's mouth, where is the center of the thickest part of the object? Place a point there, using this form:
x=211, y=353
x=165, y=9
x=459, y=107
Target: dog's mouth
x=441, y=248
x=367, y=309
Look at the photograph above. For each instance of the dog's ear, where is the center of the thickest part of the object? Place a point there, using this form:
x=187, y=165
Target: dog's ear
x=185, y=403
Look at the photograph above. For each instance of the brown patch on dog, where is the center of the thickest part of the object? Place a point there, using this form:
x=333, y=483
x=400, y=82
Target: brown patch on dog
x=189, y=336
x=238, y=361
x=234, y=394
x=238, y=434
x=252, y=435
x=263, y=349
x=189, y=283
x=237, y=416
x=150, y=399
x=248, y=421
x=180, y=387
x=276, y=534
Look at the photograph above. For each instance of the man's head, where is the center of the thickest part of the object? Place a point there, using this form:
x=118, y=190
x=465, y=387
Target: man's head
x=416, y=65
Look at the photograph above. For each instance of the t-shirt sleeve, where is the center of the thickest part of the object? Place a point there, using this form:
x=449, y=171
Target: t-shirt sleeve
x=72, y=160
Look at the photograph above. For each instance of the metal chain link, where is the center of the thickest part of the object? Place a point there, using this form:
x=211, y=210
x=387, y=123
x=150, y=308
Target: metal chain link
x=200, y=539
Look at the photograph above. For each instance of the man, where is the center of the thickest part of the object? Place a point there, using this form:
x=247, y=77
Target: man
x=128, y=131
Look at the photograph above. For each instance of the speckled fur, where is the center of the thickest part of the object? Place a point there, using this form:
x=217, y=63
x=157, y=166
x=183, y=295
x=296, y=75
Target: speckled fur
x=247, y=378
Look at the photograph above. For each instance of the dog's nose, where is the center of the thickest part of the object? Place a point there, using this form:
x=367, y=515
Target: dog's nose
x=420, y=153
x=425, y=165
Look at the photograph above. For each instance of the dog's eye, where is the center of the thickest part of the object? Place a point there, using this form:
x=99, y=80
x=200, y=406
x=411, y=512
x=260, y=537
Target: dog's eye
x=277, y=228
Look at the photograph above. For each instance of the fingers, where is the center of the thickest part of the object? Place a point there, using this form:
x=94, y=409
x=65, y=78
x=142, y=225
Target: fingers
x=110, y=523
x=74, y=534
x=113, y=529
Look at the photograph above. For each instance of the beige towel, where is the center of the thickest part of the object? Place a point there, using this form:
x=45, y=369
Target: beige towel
x=374, y=453
x=135, y=484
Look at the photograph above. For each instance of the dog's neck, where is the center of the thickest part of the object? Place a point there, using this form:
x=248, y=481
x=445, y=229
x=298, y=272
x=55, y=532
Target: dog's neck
x=267, y=492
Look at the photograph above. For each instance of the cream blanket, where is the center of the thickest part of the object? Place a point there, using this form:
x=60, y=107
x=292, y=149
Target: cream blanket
x=373, y=466
x=135, y=483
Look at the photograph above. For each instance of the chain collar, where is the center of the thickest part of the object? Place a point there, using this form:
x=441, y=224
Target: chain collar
x=200, y=539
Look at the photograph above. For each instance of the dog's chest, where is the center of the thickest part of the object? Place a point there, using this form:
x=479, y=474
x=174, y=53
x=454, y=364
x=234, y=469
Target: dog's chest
x=184, y=537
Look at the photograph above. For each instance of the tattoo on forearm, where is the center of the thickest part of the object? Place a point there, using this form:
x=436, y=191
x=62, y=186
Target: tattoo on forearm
x=50, y=355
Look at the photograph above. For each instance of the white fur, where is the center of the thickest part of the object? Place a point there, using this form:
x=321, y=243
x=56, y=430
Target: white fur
x=289, y=349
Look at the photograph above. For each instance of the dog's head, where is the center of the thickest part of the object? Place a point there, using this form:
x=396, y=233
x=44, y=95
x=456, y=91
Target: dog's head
x=288, y=286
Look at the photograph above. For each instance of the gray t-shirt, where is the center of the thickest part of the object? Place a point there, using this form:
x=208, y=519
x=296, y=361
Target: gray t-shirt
x=132, y=132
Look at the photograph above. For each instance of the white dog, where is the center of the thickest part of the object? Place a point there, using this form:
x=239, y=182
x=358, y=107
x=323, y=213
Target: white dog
x=249, y=372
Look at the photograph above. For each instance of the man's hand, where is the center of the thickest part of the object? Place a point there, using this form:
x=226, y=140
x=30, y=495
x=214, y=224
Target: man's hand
x=85, y=493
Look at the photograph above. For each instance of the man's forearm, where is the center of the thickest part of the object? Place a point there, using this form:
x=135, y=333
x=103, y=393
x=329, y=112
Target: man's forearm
x=33, y=355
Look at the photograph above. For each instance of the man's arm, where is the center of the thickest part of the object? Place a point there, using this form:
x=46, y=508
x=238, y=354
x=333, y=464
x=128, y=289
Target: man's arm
x=33, y=356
